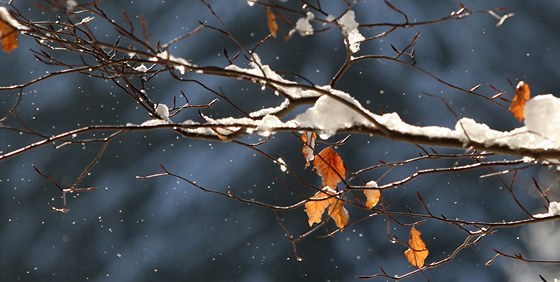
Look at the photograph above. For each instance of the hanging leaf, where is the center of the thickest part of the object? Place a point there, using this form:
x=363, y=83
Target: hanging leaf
x=271, y=20
x=372, y=195
x=317, y=204
x=417, y=251
x=330, y=167
x=8, y=33
x=522, y=95
x=308, y=139
x=339, y=213
x=9, y=37
x=9, y=28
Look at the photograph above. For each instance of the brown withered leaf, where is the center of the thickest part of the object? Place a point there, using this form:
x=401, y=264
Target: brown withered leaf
x=271, y=20
x=417, y=251
x=315, y=208
x=330, y=167
x=522, y=95
x=308, y=139
x=9, y=36
x=339, y=213
x=9, y=29
x=320, y=201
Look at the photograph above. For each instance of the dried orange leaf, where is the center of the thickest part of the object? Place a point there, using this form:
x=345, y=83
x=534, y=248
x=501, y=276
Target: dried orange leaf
x=330, y=167
x=9, y=36
x=372, y=195
x=339, y=213
x=417, y=251
x=522, y=95
x=317, y=204
x=271, y=20
x=9, y=30
x=308, y=139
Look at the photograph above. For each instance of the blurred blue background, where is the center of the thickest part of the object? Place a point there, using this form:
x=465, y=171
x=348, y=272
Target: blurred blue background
x=165, y=229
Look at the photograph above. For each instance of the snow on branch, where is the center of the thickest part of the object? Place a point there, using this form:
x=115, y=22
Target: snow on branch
x=283, y=85
x=349, y=27
x=553, y=210
x=178, y=63
x=541, y=134
x=329, y=116
x=335, y=112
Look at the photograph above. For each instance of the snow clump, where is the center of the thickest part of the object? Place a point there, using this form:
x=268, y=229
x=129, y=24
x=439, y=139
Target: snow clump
x=553, y=210
x=303, y=26
x=350, y=30
x=178, y=63
x=542, y=116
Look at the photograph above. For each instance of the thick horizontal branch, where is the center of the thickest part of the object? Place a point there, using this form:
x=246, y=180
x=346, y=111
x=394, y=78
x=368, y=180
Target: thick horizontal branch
x=208, y=131
x=448, y=142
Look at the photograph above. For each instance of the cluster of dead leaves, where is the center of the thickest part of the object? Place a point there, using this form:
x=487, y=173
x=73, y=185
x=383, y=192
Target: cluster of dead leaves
x=329, y=166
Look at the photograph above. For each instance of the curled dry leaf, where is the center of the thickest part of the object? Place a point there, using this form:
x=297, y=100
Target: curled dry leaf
x=522, y=95
x=271, y=20
x=308, y=139
x=330, y=167
x=417, y=251
x=317, y=204
x=372, y=195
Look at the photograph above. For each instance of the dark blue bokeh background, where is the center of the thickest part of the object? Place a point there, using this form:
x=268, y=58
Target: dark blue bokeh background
x=165, y=229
